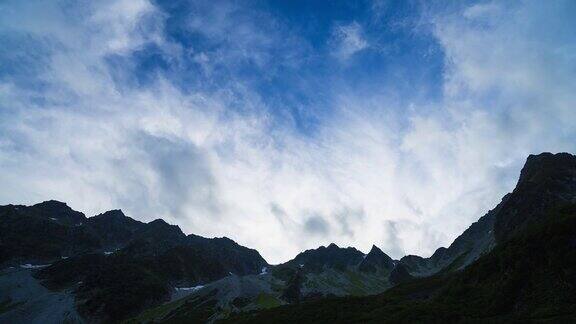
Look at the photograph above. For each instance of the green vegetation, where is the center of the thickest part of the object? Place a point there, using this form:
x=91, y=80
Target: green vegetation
x=531, y=277
x=267, y=301
x=191, y=309
x=156, y=313
x=7, y=305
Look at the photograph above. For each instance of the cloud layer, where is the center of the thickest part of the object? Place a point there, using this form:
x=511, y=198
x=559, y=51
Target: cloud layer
x=232, y=121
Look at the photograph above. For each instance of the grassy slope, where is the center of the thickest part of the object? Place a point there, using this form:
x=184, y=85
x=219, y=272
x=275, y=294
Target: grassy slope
x=531, y=277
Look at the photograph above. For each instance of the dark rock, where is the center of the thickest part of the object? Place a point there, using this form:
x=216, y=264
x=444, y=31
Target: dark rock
x=114, y=228
x=399, y=275
x=376, y=260
x=332, y=256
x=546, y=180
x=59, y=211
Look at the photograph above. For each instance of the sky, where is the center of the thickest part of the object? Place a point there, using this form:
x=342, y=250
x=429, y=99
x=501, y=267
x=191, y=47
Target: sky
x=284, y=124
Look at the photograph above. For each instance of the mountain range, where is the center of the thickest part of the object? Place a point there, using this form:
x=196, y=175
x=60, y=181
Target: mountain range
x=516, y=263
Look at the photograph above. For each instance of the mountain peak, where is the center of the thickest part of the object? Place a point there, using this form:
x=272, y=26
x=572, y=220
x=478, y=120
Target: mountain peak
x=160, y=229
x=52, y=203
x=60, y=211
x=376, y=260
x=330, y=256
x=117, y=212
x=375, y=249
x=546, y=180
x=114, y=213
x=538, y=167
x=158, y=222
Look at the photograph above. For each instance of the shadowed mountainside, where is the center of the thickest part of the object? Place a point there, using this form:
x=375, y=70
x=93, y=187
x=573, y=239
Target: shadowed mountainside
x=114, y=265
x=516, y=263
x=527, y=274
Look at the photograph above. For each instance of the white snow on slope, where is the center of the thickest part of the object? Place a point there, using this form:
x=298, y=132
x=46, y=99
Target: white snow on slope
x=195, y=288
x=33, y=266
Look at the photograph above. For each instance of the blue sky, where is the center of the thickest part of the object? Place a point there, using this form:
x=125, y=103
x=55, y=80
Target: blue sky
x=284, y=124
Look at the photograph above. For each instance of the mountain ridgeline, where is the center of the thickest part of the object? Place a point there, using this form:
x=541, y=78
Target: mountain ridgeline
x=516, y=263
x=116, y=266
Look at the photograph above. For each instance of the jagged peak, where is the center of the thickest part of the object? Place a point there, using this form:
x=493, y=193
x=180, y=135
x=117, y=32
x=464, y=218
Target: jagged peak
x=376, y=259
x=59, y=210
x=374, y=249
x=411, y=257
x=55, y=205
x=377, y=252
x=160, y=223
x=112, y=213
x=52, y=202
x=440, y=252
x=544, y=163
x=161, y=226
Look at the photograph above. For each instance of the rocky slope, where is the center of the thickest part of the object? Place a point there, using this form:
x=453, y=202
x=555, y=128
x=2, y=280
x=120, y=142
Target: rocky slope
x=313, y=274
x=516, y=264
x=477, y=240
x=528, y=278
x=114, y=267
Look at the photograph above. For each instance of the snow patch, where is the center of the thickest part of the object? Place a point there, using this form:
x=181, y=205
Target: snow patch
x=33, y=266
x=195, y=288
x=54, y=219
x=108, y=252
x=264, y=271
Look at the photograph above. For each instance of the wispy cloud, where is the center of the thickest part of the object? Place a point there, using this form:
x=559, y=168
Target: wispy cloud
x=347, y=40
x=199, y=143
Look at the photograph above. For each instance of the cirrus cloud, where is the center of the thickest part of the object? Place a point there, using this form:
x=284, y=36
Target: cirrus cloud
x=201, y=145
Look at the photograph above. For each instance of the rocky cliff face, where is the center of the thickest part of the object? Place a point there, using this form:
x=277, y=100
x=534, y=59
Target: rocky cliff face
x=114, y=228
x=546, y=180
x=43, y=232
x=516, y=264
x=469, y=246
x=323, y=257
x=117, y=266
x=376, y=260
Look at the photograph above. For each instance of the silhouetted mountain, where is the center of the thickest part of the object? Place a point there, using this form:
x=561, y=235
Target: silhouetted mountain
x=399, y=275
x=546, y=180
x=235, y=258
x=528, y=274
x=376, y=260
x=516, y=263
x=115, y=265
x=114, y=228
x=331, y=256
x=529, y=278
x=43, y=232
x=155, y=238
x=468, y=247
x=60, y=212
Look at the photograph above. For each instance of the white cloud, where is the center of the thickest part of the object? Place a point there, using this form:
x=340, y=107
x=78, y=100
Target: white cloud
x=69, y=132
x=347, y=40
